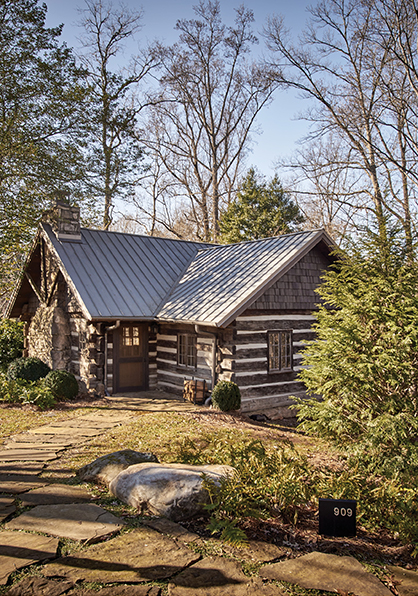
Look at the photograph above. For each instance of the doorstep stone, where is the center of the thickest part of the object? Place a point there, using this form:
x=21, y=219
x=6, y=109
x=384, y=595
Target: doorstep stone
x=56, y=494
x=140, y=556
x=216, y=576
x=18, y=549
x=78, y=522
x=320, y=571
x=406, y=581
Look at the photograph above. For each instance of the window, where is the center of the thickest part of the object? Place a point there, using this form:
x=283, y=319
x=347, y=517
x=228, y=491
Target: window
x=280, y=350
x=186, y=350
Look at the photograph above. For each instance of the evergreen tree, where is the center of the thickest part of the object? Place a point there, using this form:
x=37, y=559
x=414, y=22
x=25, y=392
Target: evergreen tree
x=364, y=362
x=41, y=101
x=261, y=210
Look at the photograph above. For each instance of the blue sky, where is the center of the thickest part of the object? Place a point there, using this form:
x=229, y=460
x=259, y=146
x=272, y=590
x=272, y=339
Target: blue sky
x=280, y=130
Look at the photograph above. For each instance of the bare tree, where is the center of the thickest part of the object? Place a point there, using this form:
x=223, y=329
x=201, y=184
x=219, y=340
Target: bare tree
x=113, y=152
x=327, y=189
x=209, y=97
x=362, y=94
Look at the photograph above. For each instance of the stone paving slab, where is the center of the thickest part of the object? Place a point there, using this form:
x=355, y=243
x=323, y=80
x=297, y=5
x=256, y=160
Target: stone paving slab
x=84, y=424
x=38, y=586
x=18, y=549
x=56, y=494
x=138, y=556
x=256, y=552
x=7, y=507
x=78, y=522
x=42, y=438
x=38, y=445
x=19, y=483
x=320, y=571
x=406, y=581
x=33, y=454
x=173, y=529
x=216, y=576
x=31, y=468
x=65, y=430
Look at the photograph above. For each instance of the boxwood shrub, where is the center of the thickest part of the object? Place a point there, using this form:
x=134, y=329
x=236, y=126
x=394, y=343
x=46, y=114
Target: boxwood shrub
x=63, y=384
x=226, y=396
x=28, y=369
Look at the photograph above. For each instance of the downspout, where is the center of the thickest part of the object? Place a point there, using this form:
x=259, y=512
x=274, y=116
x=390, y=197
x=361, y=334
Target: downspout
x=214, y=336
x=115, y=326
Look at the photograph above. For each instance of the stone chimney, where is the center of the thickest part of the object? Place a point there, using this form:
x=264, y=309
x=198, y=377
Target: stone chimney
x=66, y=221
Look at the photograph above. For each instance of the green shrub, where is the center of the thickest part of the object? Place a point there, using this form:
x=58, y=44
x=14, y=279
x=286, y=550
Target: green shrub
x=26, y=392
x=226, y=396
x=28, y=369
x=11, y=342
x=363, y=361
x=62, y=384
x=38, y=394
x=10, y=391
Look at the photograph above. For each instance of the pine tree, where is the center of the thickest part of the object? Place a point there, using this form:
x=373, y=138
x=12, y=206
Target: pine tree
x=364, y=362
x=261, y=210
x=41, y=100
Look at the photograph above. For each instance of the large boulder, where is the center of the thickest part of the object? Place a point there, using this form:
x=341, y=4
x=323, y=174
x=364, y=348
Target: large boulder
x=173, y=490
x=104, y=469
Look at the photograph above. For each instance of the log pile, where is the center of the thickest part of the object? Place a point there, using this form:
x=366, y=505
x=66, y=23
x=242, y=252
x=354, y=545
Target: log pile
x=195, y=391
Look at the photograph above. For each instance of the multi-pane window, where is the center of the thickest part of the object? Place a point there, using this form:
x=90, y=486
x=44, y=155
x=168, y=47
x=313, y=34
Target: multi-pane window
x=131, y=342
x=280, y=350
x=186, y=350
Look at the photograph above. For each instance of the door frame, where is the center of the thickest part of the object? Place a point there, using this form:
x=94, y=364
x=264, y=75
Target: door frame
x=117, y=335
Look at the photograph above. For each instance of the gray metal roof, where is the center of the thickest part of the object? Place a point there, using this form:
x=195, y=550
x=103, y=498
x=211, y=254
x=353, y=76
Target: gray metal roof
x=127, y=276
x=222, y=281
x=117, y=275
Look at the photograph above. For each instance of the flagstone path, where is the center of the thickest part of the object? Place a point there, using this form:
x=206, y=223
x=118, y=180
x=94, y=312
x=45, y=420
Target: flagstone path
x=160, y=550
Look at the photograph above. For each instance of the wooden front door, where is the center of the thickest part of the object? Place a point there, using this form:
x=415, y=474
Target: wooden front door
x=131, y=352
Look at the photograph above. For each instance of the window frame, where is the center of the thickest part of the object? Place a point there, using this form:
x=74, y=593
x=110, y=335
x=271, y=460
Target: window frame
x=281, y=334
x=190, y=341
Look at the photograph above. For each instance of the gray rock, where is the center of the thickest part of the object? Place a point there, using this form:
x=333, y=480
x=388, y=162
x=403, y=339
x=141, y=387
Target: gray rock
x=172, y=490
x=216, y=576
x=78, y=522
x=18, y=549
x=406, y=580
x=140, y=556
x=104, y=469
x=320, y=571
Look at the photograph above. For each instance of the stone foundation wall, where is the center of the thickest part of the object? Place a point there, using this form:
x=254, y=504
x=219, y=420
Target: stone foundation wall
x=49, y=337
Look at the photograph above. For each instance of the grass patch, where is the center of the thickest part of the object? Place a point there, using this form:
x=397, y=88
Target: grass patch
x=17, y=419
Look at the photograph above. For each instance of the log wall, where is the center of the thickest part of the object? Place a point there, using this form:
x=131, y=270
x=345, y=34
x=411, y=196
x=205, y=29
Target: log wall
x=170, y=375
x=262, y=391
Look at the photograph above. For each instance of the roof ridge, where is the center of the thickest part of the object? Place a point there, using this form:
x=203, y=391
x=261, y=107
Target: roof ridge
x=146, y=236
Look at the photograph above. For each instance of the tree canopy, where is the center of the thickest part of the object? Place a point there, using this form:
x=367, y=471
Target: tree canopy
x=364, y=362
x=261, y=209
x=41, y=101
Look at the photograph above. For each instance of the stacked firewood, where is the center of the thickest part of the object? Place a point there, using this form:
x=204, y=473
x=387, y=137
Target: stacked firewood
x=195, y=391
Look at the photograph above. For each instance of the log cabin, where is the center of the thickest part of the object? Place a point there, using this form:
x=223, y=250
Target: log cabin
x=128, y=313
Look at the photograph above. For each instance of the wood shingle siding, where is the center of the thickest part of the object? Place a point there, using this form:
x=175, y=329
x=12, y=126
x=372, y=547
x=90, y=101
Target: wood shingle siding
x=296, y=289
